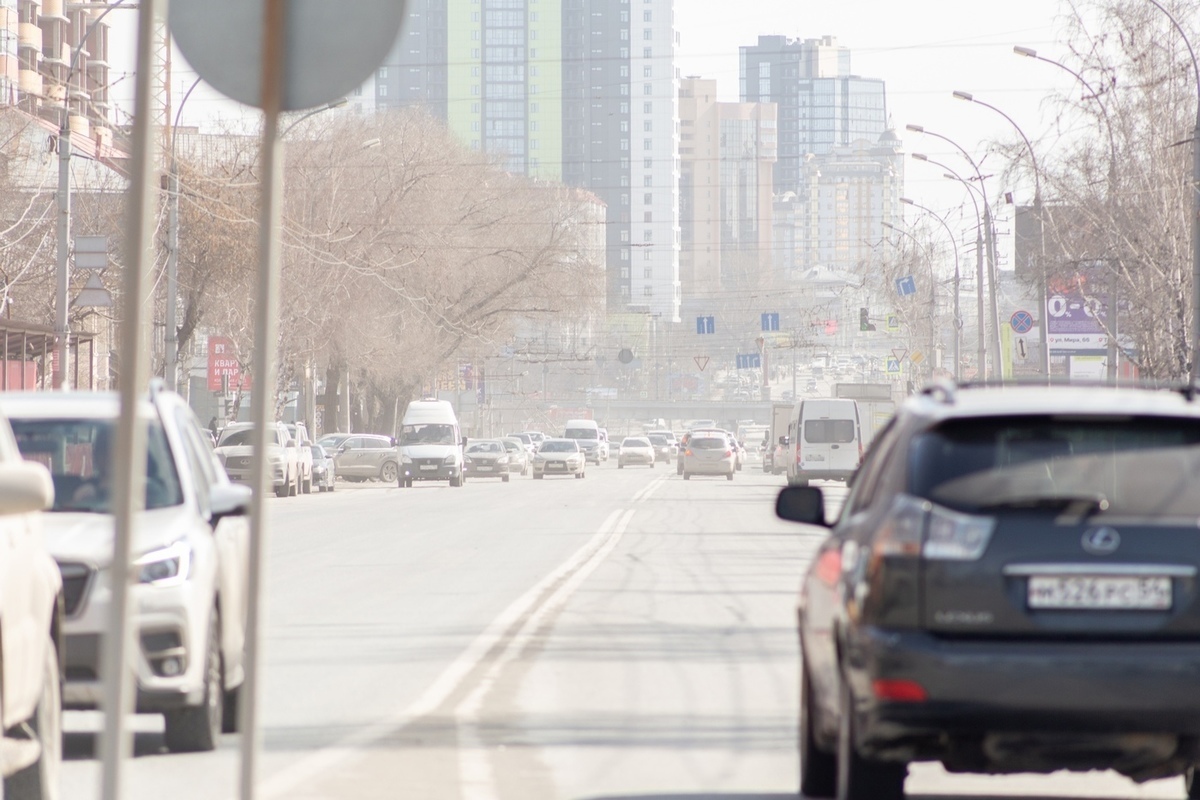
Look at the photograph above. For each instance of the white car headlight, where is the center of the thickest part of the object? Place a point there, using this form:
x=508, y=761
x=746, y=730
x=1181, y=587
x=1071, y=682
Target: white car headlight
x=166, y=567
x=406, y=459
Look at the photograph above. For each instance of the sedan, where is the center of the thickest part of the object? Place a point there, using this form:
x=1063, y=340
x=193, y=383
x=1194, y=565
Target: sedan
x=518, y=457
x=663, y=448
x=636, y=450
x=558, y=457
x=709, y=454
x=324, y=469
x=486, y=458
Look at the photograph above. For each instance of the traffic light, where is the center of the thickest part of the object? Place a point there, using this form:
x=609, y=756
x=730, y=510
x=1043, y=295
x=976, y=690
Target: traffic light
x=864, y=320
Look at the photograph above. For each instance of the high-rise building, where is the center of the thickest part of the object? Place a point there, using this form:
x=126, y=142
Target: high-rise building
x=582, y=91
x=727, y=151
x=822, y=104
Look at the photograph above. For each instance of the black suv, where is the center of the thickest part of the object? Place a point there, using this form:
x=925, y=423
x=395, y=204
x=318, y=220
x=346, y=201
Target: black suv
x=1011, y=586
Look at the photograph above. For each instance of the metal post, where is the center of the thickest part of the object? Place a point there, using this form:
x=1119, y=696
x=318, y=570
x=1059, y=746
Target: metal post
x=129, y=458
x=993, y=290
x=171, y=332
x=265, y=324
x=62, y=330
x=1195, y=373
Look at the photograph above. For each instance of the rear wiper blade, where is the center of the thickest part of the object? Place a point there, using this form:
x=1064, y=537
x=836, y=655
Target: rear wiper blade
x=1075, y=508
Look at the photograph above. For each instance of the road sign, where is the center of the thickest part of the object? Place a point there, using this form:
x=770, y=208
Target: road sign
x=1022, y=322
x=701, y=362
x=333, y=47
x=906, y=286
x=749, y=361
x=893, y=366
x=916, y=356
x=706, y=325
x=625, y=356
x=770, y=322
x=899, y=353
x=91, y=252
x=893, y=322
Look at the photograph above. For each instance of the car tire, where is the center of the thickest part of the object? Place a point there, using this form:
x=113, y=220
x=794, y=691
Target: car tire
x=504, y=478
x=620, y=465
x=457, y=480
x=231, y=701
x=197, y=729
x=281, y=490
x=39, y=781
x=729, y=476
x=537, y=476
x=294, y=487
x=687, y=476
x=308, y=485
x=861, y=778
x=388, y=472
x=799, y=482
x=818, y=769
x=652, y=464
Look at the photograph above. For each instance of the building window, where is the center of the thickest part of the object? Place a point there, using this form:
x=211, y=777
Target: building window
x=647, y=144
x=647, y=52
x=647, y=71
x=648, y=162
x=383, y=73
x=648, y=181
x=624, y=144
x=648, y=216
x=625, y=273
x=624, y=70
x=474, y=108
x=624, y=256
x=624, y=236
x=534, y=108
x=383, y=90
x=647, y=107
x=647, y=126
x=648, y=35
x=646, y=16
x=474, y=72
x=648, y=235
x=648, y=272
x=474, y=36
x=647, y=89
x=647, y=255
x=624, y=126
x=648, y=199
x=475, y=89
x=624, y=34
x=624, y=199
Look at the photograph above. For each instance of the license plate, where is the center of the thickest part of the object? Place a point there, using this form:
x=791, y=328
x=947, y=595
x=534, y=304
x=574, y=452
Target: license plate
x=1099, y=592
x=429, y=467
x=556, y=466
x=484, y=469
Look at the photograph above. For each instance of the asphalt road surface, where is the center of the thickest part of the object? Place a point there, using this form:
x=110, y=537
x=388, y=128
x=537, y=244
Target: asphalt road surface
x=626, y=636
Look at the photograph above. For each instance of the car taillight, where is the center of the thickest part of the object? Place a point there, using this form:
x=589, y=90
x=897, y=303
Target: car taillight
x=899, y=691
x=687, y=452
x=829, y=567
x=903, y=530
x=954, y=536
x=728, y=453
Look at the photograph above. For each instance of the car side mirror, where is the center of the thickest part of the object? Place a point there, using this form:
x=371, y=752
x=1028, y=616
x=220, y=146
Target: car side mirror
x=393, y=441
x=464, y=441
x=801, y=504
x=783, y=440
x=25, y=487
x=342, y=449
x=229, y=500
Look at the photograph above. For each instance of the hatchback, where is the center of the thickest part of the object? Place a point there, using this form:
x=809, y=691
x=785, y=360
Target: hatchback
x=636, y=450
x=709, y=453
x=1011, y=586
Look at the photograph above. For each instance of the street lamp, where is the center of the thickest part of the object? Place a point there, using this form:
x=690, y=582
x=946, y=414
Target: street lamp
x=62, y=326
x=984, y=247
x=1194, y=372
x=1037, y=209
x=957, y=281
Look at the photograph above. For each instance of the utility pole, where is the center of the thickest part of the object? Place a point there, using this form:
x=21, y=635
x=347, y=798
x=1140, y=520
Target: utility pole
x=62, y=330
x=171, y=356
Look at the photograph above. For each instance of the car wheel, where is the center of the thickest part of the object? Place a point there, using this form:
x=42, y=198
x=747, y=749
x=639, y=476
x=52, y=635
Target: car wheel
x=39, y=781
x=230, y=708
x=652, y=464
x=308, y=485
x=729, y=476
x=687, y=476
x=620, y=465
x=818, y=769
x=388, y=473
x=861, y=778
x=196, y=729
x=504, y=478
x=799, y=482
x=1191, y=783
x=294, y=487
x=537, y=476
x=282, y=489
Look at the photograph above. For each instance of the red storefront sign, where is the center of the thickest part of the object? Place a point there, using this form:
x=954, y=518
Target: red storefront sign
x=224, y=368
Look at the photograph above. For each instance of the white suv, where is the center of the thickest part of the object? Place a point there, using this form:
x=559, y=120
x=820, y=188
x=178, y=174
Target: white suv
x=236, y=455
x=30, y=631
x=189, y=546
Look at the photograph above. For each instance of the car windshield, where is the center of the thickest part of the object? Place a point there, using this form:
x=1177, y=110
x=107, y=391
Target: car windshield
x=427, y=434
x=708, y=443
x=485, y=447
x=317, y=451
x=513, y=447
x=581, y=433
x=1143, y=467
x=553, y=446
x=659, y=441
x=79, y=455
x=240, y=437
x=828, y=431
x=635, y=443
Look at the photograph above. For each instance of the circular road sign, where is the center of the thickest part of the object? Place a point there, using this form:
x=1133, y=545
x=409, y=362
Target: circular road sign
x=625, y=356
x=1022, y=322
x=330, y=48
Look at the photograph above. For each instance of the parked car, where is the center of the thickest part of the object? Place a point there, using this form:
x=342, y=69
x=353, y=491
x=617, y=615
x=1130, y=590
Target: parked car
x=364, y=457
x=31, y=601
x=1011, y=587
x=636, y=450
x=559, y=457
x=709, y=453
x=190, y=548
x=324, y=469
x=519, y=458
x=486, y=458
x=332, y=441
x=234, y=452
x=304, y=463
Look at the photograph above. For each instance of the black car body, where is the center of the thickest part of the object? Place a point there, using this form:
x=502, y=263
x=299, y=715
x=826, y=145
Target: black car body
x=1011, y=586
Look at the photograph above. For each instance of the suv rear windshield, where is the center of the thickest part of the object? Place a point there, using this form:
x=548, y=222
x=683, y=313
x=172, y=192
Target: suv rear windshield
x=240, y=437
x=1142, y=466
x=78, y=453
x=708, y=443
x=828, y=431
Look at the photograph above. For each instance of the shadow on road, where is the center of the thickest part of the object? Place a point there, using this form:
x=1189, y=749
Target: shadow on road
x=85, y=746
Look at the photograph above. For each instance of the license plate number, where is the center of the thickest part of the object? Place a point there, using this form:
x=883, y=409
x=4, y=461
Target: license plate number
x=556, y=466
x=1099, y=592
x=429, y=467
x=484, y=469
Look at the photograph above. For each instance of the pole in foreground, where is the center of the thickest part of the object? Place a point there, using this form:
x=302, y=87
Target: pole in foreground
x=129, y=496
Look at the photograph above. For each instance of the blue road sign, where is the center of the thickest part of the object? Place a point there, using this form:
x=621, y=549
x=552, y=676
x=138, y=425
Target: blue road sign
x=893, y=366
x=1022, y=322
x=770, y=322
x=706, y=325
x=749, y=361
x=906, y=286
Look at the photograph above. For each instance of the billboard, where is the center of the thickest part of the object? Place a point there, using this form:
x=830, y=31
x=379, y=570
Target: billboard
x=224, y=366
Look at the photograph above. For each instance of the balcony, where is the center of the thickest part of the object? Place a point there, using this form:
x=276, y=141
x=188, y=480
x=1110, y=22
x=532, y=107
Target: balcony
x=29, y=36
x=29, y=81
x=53, y=10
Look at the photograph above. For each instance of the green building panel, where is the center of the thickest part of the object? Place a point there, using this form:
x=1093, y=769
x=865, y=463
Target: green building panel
x=463, y=49
x=545, y=124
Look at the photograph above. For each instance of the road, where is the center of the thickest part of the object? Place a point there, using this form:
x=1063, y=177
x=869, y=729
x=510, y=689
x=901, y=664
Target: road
x=627, y=636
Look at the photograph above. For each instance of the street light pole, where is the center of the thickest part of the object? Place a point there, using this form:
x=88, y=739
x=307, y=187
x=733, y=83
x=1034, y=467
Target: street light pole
x=1194, y=370
x=1037, y=210
x=170, y=326
x=957, y=280
x=932, y=291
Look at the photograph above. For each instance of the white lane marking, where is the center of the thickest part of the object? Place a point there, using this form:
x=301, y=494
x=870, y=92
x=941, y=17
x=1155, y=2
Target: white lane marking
x=476, y=781
x=287, y=780
x=644, y=492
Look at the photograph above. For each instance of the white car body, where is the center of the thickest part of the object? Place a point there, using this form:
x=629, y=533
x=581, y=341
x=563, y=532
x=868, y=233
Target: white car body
x=203, y=537
x=636, y=450
x=283, y=464
x=824, y=441
x=562, y=458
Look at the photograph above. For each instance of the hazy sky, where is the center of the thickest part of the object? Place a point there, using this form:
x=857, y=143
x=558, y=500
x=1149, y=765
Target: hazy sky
x=923, y=49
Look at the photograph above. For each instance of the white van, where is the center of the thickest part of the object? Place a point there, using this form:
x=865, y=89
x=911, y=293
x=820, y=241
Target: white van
x=824, y=441
x=587, y=433
x=431, y=444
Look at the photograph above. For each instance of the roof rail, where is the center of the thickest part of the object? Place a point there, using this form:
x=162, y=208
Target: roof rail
x=941, y=390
